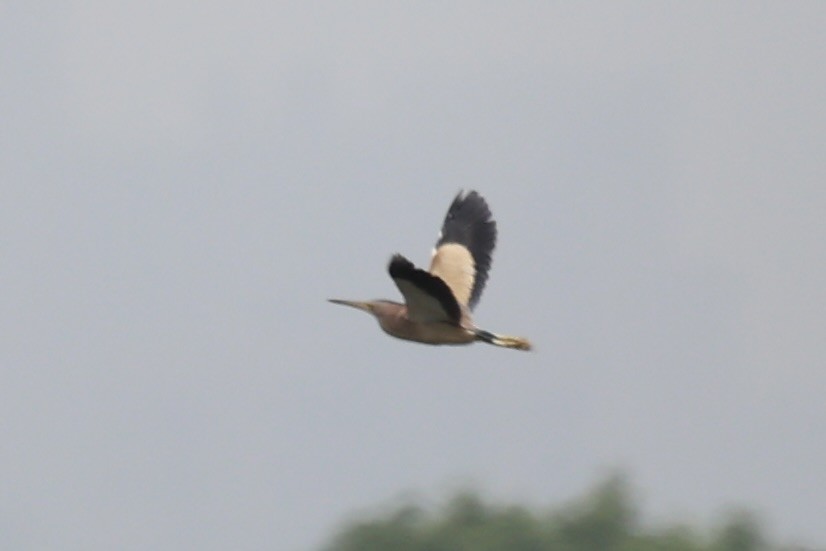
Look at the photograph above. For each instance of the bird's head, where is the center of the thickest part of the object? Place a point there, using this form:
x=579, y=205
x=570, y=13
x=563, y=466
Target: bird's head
x=365, y=305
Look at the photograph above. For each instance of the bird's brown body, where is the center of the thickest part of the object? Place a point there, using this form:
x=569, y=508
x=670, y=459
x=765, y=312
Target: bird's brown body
x=394, y=320
x=438, y=302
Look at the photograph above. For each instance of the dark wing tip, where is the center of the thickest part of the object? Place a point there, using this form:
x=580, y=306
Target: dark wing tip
x=470, y=223
x=403, y=269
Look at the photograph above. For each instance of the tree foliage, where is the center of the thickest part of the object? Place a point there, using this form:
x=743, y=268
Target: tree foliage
x=604, y=519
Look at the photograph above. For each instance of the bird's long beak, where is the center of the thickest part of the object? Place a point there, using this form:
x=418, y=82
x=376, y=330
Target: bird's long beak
x=361, y=305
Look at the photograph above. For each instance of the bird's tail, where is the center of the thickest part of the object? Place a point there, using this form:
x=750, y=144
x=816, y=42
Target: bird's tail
x=505, y=341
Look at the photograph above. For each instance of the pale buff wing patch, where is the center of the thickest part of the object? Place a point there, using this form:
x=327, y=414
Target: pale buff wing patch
x=453, y=264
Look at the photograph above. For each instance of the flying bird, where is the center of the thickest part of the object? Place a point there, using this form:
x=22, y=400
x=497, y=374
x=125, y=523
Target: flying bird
x=438, y=303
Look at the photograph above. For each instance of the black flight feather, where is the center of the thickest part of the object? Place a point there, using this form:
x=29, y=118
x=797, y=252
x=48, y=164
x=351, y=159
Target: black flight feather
x=469, y=223
x=402, y=269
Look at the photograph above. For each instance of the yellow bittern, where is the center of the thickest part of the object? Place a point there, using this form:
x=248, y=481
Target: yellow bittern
x=438, y=302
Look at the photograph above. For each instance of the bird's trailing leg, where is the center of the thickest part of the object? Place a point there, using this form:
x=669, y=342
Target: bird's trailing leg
x=505, y=341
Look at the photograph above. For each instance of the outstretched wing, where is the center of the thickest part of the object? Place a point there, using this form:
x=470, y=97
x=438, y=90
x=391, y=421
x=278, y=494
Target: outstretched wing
x=462, y=257
x=428, y=298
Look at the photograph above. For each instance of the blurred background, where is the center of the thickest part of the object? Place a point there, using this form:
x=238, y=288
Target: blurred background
x=183, y=184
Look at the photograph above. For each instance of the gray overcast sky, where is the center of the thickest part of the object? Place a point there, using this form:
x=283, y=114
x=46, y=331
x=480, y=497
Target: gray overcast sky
x=185, y=183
